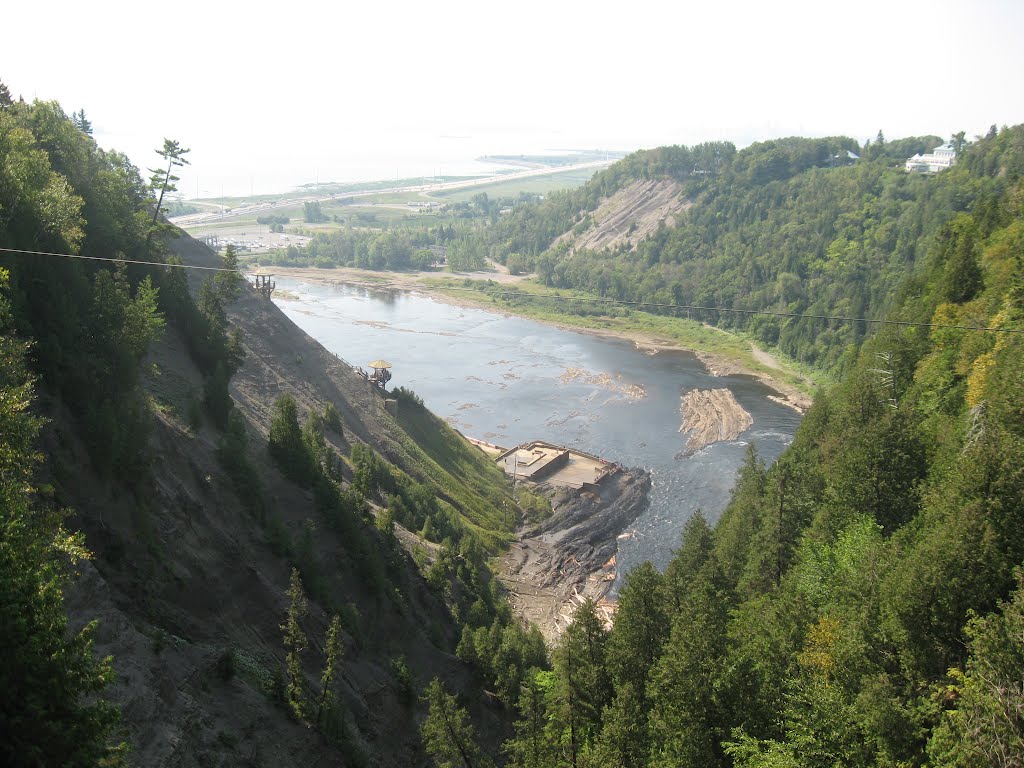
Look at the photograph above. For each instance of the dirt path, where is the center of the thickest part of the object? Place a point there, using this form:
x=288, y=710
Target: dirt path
x=764, y=358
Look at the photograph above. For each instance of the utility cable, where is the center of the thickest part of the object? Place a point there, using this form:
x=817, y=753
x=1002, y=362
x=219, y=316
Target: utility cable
x=768, y=312
x=559, y=297
x=119, y=261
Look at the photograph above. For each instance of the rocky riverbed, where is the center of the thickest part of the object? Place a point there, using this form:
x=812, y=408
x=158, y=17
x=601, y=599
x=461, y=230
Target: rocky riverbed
x=555, y=565
x=710, y=415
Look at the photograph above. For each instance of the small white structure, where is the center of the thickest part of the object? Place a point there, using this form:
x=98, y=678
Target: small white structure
x=937, y=160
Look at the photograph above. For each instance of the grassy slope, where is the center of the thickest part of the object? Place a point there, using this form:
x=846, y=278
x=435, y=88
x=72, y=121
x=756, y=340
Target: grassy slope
x=431, y=448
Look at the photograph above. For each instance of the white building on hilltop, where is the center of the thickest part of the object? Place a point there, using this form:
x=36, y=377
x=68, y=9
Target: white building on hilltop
x=937, y=160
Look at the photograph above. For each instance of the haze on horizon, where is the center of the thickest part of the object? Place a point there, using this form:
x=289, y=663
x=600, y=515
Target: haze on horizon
x=270, y=98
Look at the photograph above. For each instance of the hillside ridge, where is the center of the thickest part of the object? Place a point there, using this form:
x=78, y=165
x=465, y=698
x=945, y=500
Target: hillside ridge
x=187, y=574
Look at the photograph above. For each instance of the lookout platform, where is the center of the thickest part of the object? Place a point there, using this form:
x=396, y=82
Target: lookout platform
x=540, y=461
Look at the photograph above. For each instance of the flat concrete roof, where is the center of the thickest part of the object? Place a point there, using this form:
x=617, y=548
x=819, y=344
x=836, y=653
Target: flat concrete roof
x=531, y=460
x=578, y=471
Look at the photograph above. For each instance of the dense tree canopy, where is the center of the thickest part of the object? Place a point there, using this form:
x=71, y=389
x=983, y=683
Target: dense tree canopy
x=49, y=679
x=859, y=602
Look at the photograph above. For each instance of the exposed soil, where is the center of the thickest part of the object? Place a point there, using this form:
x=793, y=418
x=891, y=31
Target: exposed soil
x=629, y=216
x=788, y=395
x=764, y=358
x=184, y=572
x=712, y=415
x=571, y=556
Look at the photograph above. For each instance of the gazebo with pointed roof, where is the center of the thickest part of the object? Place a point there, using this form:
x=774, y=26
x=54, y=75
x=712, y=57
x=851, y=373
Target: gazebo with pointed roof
x=381, y=373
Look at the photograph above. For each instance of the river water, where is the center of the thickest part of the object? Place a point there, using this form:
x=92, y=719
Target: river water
x=507, y=380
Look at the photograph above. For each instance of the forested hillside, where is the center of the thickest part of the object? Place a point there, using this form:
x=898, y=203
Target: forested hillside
x=278, y=566
x=792, y=226
x=861, y=601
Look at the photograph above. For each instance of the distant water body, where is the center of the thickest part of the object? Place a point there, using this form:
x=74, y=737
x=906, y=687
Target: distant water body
x=419, y=157
x=507, y=379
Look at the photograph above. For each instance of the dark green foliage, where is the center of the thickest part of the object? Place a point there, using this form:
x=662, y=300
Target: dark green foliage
x=403, y=680
x=961, y=276
x=226, y=664
x=641, y=628
x=312, y=213
x=93, y=324
x=50, y=713
x=162, y=181
x=625, y=739
x=501, y=650
x=287, y=446
x=859, y=602
x=532, y=745
x=407, y=398
x=327, y=704
x=985, y=727
x=332, y=419
x=447, y=734
x=688, y=709
x=789, y=225
x=294, y=645
x=273, y=219
x=60, y=192
x=583, y=685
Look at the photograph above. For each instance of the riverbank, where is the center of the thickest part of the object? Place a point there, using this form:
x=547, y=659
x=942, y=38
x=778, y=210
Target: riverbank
x=506, y=379
x=552, y=567
x=720, y=352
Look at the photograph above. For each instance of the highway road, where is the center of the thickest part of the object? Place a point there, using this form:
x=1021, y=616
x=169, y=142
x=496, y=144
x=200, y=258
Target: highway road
x=258, y=209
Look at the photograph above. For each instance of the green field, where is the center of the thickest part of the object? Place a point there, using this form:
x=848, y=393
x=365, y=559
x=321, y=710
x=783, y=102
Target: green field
x=534, y=185
x=383, y=210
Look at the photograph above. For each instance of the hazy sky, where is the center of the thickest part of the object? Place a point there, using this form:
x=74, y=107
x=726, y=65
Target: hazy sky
x=275, y=93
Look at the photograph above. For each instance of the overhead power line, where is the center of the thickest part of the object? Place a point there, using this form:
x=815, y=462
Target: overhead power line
x=118, y=261
x=767, y=312
x=559, y=297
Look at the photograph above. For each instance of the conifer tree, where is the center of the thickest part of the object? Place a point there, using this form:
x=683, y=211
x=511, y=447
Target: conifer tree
x=333, y=659
x=686, y=716
x=447, y=734
x=295, y=644
x=287, y=447
x=163, y=180
x=641, y=628
x=583, y=685
x=624, y=737
x=987, y=726
x=531, y=747
x=50, y=681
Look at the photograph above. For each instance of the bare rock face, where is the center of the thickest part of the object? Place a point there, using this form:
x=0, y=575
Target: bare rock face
x=711, y=415
x=628, y=216
x=570, y=556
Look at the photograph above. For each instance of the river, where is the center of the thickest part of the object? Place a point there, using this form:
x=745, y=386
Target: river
x=507, y=379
